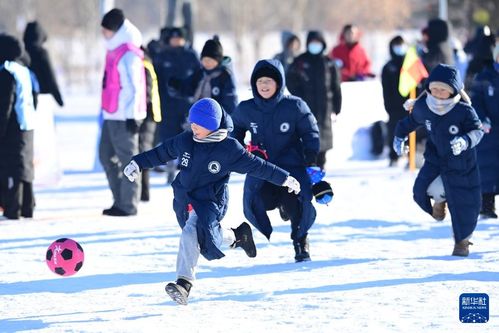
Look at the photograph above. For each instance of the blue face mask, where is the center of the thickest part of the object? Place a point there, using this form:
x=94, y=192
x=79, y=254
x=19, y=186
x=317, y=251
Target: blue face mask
x=315, y=47
x=400, y=49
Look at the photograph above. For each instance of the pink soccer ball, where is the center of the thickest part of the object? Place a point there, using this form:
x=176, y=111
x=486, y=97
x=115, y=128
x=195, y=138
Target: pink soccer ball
x=65, y=257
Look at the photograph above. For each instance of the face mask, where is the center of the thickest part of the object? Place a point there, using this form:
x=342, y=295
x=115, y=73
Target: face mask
x=400, y=49
x=315, y=48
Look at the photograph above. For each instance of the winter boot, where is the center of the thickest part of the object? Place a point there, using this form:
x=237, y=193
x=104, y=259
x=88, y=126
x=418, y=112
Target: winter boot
x=488, y=206
x=283, y=214
x=438, y=212
x=179, y=291
x=244, y=239
x=301, y=249
x=461, y=249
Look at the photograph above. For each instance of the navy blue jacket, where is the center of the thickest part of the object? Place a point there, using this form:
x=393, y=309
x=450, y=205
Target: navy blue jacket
x=202, y=181
x=459, y=173
x=485, y=97
x=288, y=131
x=223, y=87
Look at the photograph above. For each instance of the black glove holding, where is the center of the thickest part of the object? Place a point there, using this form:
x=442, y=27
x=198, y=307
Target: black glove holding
x=323, y=192
x=132, y=126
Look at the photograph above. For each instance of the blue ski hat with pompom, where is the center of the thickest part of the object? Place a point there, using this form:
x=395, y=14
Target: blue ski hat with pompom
x=206, y=113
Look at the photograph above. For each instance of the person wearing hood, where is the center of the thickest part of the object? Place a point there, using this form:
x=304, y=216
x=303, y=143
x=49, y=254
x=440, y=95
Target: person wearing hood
x=123, y=108
x=316, y=79
x=450, y=174
x=17, y=123
x=290, y=49
x=485, y=97
x=393, y=101
x=482, y=56
x=213, y=79
x=438, y=45
x=207, y=157
x=34, y=38
x=351, y=57
x=284, y=131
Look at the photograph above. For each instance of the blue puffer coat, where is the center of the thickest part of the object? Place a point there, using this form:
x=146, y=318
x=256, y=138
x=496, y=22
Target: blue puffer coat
x=459, y=173
x=287, y=130
x=485, y=97
x=202, y=181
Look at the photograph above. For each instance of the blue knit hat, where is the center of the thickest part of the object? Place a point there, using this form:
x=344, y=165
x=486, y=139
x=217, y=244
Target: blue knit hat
x=206, y=113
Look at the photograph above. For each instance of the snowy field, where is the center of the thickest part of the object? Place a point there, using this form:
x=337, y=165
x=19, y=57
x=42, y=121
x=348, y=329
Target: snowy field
x=379, y=264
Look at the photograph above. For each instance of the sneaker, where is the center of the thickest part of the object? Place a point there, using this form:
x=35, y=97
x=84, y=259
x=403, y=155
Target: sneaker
x=301, y=250
x=179, y=291
x=115, y=211
x=461, y=249
x=244, y=239
x=438, y=212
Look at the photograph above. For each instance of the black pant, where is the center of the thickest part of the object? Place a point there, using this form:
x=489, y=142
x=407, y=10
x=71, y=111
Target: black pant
x=278, y=197
x=321, y=159
x=18, y=198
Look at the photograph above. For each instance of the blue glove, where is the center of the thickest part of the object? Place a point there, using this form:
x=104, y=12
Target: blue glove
x=315, y=173
x=326, y=198
x=399, y=145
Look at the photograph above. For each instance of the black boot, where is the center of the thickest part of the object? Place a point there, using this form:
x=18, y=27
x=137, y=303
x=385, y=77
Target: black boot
x=488, y=206
x=301, y=249
x=179, y=291
x=144, y=194
x=244, y=239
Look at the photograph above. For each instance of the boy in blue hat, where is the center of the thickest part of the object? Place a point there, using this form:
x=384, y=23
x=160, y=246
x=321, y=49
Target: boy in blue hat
x=450, y=173
x=207, y=156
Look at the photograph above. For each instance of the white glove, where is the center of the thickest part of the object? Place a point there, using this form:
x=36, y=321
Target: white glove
x=292, y=184
x=132, y=171
x=409, y=104
x=458, y=145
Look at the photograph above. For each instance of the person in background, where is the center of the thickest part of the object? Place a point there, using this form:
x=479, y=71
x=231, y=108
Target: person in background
x=393, y=101
x=316, y=79
x=17, y=123
x=450, y=174
x=148, y=127
x=290, y=49
x=214, y=79
x=283, y=131
x=350, y=56
x=485, y=97
x=438, y=47
x=123, y=107
x=207, y=158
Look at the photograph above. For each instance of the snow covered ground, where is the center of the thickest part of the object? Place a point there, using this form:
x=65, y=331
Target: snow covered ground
x=379, y=263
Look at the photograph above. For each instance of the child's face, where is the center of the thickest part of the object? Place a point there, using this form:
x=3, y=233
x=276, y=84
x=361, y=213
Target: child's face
x=439, y=93
x=266, y=87
x=108, y=34
x=200, y=132
x=209, y=63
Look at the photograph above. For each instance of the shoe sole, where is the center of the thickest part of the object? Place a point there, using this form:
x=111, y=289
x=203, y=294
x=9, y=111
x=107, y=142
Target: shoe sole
x=176, y=295
x=303, y=259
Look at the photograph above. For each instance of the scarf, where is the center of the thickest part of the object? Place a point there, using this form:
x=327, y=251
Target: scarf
x=204, y=87
x=216, y=136
x=441, y=106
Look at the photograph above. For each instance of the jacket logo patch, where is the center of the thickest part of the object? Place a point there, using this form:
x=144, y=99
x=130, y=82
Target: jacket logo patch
x=254, y=128
x=214, y=167
x=427, y=123
x=453, y=129
x=284, y=127
x=215, y=91
x=184, y=160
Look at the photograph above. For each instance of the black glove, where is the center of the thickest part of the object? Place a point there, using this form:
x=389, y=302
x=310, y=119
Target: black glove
x=323, y=192
x=132, y=126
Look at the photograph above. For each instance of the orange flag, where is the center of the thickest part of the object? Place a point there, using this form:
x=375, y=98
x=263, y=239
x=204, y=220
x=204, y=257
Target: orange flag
x=412, y=72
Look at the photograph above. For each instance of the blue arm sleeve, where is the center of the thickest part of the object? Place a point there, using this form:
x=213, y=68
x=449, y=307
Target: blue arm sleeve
x=159, y=155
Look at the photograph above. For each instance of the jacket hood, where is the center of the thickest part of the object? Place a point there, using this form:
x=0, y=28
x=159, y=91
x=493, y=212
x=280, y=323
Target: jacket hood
x=226, y=121
x=10, y=48
x=446, y=74
x=127, y=33
x=275, y=66
x=34, y=35
x=315, y=34
x=397, y=40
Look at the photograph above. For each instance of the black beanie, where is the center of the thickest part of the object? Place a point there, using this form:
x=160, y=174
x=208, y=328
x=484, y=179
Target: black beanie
x=268, y=71
x=213, y=49
x=113, y=19
x=10, y=48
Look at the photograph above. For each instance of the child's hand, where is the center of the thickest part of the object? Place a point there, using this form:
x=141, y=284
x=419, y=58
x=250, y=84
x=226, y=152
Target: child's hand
x=399, y=145
x=132, y=171
x=458, y=145
x=292, y=184
x=409, y=104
